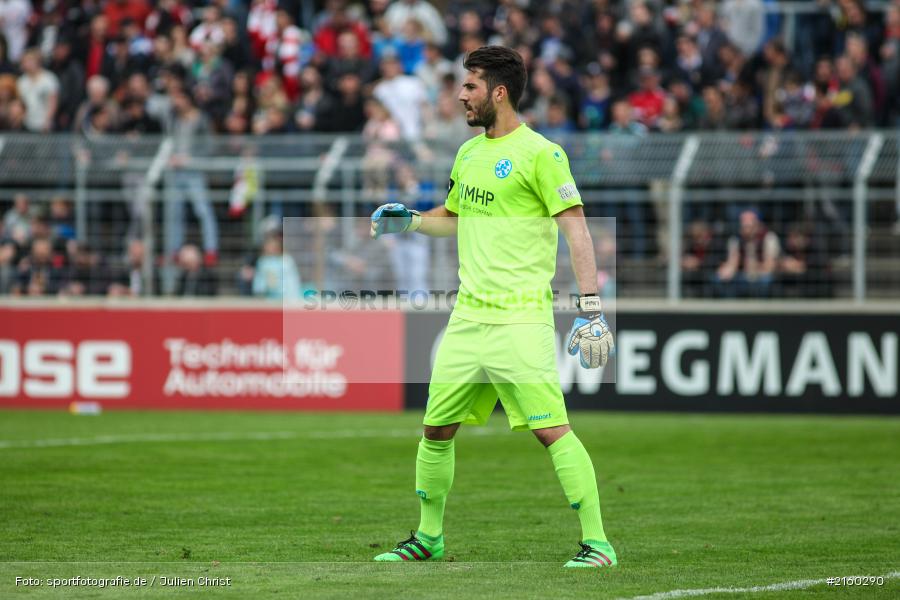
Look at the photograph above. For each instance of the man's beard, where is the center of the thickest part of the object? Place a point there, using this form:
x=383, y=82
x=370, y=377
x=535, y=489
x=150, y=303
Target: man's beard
x=484, y=115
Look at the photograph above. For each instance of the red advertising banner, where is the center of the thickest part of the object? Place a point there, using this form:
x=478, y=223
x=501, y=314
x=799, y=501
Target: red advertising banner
x=201, y=358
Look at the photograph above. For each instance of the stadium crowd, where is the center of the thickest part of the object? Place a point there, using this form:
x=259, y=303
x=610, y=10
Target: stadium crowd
x=390, y=70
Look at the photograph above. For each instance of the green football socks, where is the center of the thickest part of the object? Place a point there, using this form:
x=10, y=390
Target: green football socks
x=576, y=474
x=434, y=476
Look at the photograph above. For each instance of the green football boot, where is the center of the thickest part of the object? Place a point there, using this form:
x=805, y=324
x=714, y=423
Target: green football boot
x=593, y=555
x=415, y=548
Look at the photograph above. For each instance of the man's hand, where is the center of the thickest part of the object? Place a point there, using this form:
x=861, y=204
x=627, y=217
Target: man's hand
x=394, y=218
x=590, y=337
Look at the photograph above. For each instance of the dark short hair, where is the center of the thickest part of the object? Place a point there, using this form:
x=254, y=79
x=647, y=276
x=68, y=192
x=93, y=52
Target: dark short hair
x=500, y=66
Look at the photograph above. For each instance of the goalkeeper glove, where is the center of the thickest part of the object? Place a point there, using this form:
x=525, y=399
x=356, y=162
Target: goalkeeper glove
x=394, y=218
x=590, y=336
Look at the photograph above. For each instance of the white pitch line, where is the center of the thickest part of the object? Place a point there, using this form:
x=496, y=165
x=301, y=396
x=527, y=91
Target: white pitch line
x=225, y=437
x=775, y=587
x=147, y=437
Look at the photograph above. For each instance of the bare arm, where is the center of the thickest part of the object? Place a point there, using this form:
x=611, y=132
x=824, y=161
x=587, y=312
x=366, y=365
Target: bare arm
x=574, y=227
x=728, y=269
x=52, y=105
x=438, y=222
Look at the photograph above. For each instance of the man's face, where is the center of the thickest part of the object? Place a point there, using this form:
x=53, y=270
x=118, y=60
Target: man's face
x=40, y=251
x=480, y=108
x=749, y=224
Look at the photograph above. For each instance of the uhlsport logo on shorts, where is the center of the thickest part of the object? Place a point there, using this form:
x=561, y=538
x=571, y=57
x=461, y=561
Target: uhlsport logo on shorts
x=539, y=417
x=503, y=168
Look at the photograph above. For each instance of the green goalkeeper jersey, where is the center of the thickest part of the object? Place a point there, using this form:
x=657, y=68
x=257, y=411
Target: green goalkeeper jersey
x=505, y=191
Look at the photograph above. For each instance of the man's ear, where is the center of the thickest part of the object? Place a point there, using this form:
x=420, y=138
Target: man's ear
x=500, y=93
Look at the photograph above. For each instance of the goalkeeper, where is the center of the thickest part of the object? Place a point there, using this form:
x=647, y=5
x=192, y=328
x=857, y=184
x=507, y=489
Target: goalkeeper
x=505, y=186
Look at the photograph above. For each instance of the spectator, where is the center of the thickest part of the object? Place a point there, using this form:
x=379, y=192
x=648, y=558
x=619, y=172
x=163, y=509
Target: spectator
x=189, y=129
x=119, y=64
x=751, y=261
x=516, y=30
x=14, y=17
x=690, y=106
x=625, y=133
x=595, y=103
x=194, y=279
x=731, y=66
x=8, y=94
x=795, y=104
x=800, y=267
x=211, y=80
x=61, y=221
x=262, y=26
x=327, y=37
x=741, y=107
x=41, y=272
x=700, y=258
x=139, y=45
x=403, y=95
x=447, y=127
x=853, y=99
x=95, y=48
x=271, y=99
x=348, y=60
x=869, y=72
x=409, y=252
x=39, y=90
x=166, y=15
x=402, y=11
x=825, y=76
x=312, y=102
x=182, y=53
x=689, y=63
x=714, y=116
x=17, y=220
x=381, y=134
x=771, y=77
x=558, y=125
x=287, y=52
x=15, y=117
x=745, y=22
x=97, y=97
x=8, y=270
x=70, y=75
x=647, y=101
x=710, y=37
x=7, y=66
x=537, y=99
x=345, y=109
x=127, y=279
x=275, y=275
x=825, y=115
x=670, y=120
x=86, y=273
x=636, y=33
x=209, y=31
x=410, y=46
x=432, y=70
x=117, y=11
x=234, y=47
x=890, y=57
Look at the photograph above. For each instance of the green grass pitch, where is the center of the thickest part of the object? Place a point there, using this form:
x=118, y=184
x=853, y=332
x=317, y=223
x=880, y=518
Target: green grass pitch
x=295, y=505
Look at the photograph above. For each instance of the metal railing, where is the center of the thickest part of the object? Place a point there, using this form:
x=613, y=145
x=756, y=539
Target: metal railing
x=843, y=185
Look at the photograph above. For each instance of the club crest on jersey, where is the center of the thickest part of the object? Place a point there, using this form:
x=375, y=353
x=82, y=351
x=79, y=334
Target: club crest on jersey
x=503, y=168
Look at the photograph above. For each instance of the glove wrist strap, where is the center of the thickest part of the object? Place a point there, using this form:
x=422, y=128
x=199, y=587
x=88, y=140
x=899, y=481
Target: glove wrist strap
x=416, y=220
x=590, y=304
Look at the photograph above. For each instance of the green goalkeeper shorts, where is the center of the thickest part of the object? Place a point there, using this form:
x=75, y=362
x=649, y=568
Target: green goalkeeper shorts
x=479, y=363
